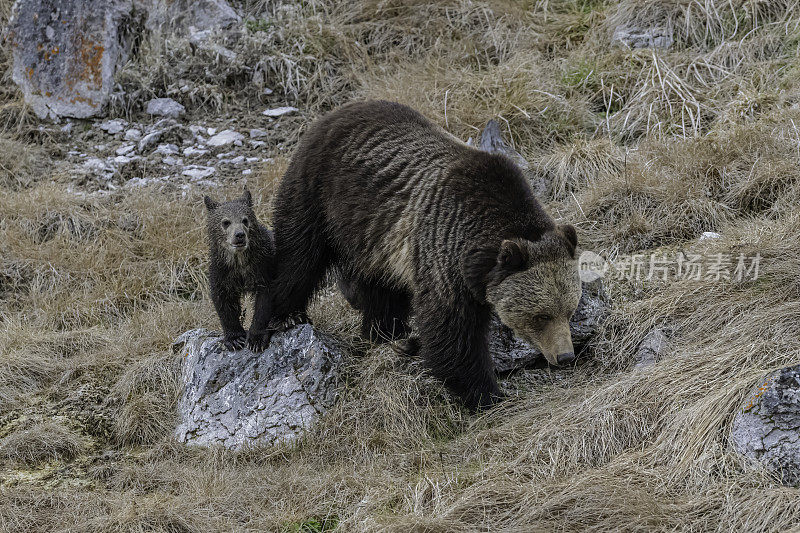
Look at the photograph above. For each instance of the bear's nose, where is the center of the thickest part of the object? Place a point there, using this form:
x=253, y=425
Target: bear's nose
x=239, y=235
x=565, y=358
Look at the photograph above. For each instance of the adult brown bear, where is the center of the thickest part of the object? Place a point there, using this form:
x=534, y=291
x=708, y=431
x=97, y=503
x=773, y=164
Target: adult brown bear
x=413, y=218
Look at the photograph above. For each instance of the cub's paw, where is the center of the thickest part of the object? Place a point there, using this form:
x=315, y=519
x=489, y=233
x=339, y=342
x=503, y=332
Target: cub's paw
x=234, y=341
x=258, y=341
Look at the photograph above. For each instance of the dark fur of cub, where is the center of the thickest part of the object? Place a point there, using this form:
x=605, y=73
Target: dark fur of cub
x=241, y=257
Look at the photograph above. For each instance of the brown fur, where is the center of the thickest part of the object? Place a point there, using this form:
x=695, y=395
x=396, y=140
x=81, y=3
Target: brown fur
x=412, y=217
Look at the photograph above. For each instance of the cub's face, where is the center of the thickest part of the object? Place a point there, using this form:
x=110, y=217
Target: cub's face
x=229, y=223
x=535, y=289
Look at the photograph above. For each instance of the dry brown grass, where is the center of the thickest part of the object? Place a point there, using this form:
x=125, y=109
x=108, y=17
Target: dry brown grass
x=645, y=151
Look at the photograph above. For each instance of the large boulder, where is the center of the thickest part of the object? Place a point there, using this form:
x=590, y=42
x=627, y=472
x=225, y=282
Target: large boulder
x=188, y=17
x=767, y=428
x=239, y=398
x=509, y=352
x=65, y=52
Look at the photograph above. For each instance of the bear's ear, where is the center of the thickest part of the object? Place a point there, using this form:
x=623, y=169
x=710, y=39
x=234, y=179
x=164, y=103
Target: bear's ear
x=572, y=237
x=513, y=256
x=247, y=197
x=210, y=204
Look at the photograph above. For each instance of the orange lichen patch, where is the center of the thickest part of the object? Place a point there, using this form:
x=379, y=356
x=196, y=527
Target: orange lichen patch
x=87, y=67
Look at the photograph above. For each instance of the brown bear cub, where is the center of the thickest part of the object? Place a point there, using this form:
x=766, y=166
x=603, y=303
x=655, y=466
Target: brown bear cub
x=413, y=219
x=241, y=256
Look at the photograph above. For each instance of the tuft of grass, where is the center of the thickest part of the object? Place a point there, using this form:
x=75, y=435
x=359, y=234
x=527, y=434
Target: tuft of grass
x=45, y=441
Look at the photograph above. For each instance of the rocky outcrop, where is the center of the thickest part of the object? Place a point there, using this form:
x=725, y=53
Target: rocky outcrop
x=239, y=398
x=65, y=52
x=509, y=352
x=767, y=428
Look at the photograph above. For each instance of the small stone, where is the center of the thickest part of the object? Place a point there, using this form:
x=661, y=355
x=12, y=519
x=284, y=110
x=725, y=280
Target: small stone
x=640, y=37
x=268, y=91
x=165, y=107
x=173, y=161
x=67, y=128
x=279, y=111
x=112, y=127
x=122, y=160
x=125, y=150
x=257, y=144
x=133, y=134
x=224, y=138
x=197, y=172
x=247, y=171
x=166, y=149
x=191, y=151
x=252, y=160
x=256, y=133
x=211, y=131
x=651, y=349
x=709, y=235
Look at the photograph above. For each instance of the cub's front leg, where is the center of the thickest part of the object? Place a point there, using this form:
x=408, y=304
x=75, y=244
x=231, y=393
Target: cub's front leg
x=229, y=309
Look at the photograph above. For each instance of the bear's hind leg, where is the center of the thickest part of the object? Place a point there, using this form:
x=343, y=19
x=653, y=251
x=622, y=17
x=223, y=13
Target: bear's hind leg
x=302, y=259
x=385, y=311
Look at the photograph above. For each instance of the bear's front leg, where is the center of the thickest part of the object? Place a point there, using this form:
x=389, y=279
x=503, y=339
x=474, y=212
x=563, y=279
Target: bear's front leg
x=260, y=332
x=453, y=343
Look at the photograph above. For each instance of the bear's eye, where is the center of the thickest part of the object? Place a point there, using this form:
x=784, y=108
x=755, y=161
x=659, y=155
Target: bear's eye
x=245, y=222
x=541, y=318
x=226, y=223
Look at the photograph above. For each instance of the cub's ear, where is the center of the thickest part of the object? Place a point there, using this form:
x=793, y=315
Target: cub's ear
x=572, y=237
x=247, y=197
x=210, y=204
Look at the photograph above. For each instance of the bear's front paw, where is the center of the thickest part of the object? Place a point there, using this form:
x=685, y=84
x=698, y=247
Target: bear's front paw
x=258, y=341
x=234, y=341
x=290, y=321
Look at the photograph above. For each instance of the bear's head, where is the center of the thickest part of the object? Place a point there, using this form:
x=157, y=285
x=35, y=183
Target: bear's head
x=230, y=223
x=534, y=288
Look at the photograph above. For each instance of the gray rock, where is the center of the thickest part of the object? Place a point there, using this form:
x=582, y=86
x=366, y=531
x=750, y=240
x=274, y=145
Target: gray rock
x=112, y=127
x=509, y=352
x=639, y=37
x=239, y=398
x=133, y=134
x=225, y=138
x=256, y=133
x=651, y=349
x=125, y=150
x=492, y=141
x=65, y=53
x=165, y=107
x=191, y=17
x=197, y=172
x=279, y=111
x=767, y=428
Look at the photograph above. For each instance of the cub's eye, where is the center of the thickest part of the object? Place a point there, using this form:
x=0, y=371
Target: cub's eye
x=226, y=223
x=541, y=318
x=245, y=222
